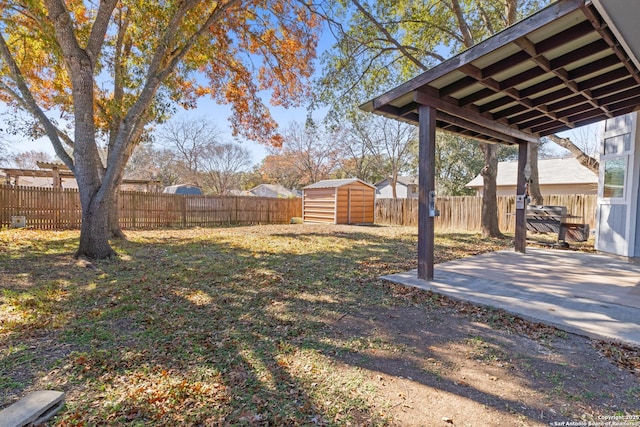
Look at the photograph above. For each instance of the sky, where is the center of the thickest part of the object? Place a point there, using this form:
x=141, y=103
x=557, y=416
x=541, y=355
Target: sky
x=219, y=115
x=210, y=110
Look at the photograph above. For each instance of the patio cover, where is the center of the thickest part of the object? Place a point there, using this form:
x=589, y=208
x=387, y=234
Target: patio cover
x=569, y=65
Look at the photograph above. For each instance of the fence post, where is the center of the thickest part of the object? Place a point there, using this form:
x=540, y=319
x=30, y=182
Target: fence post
x=184, y=211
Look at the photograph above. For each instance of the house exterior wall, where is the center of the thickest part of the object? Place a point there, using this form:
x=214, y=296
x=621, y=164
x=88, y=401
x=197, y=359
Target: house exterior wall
x=319, y=205
x=558, y=189
x=386, y=191
x=618, y=226
x=355, y=204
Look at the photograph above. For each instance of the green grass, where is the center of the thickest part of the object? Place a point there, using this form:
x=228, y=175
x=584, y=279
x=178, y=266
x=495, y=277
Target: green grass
x=206, y=326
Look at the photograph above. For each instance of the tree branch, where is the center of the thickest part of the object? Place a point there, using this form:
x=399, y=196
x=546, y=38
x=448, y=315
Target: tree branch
x=389, y=37
x=161, y=66
x=59, y=16
x=587, y=161
x=99, y=30
x=486, y=20
x=26, y=99
x=462, y=23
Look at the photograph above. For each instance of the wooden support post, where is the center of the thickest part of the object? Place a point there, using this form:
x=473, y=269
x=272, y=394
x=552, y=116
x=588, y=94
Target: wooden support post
x=57, y=181
x=520, y=240
x=426, y=184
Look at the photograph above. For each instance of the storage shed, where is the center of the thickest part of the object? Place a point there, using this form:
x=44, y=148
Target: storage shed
x=339, y=201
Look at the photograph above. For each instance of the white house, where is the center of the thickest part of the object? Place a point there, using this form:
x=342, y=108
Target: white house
x=618, y=222
x=406, y=188
x=274, y=190
x=556, y=176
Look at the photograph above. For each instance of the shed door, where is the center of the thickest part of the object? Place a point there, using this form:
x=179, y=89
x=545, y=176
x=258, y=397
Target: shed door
x=356, y=206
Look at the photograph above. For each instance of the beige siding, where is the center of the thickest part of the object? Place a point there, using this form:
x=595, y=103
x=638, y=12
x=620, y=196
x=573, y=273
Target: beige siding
x=357, y=209
x=334, y=205
x=319, y=205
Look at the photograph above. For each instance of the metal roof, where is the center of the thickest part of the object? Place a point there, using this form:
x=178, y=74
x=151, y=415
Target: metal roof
x=566, y=170
x=558, y=69
x=334, y=183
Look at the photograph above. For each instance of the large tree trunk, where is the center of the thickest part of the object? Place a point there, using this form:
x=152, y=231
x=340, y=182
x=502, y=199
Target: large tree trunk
x=114, y=218
x=534, y=181
x=94, y=243
x=490, y=227
x=114, y=214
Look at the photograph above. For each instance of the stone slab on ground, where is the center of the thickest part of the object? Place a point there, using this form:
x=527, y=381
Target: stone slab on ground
x=35, y=408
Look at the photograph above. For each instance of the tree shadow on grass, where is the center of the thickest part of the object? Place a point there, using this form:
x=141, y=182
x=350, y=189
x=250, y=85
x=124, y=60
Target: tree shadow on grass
x=266, y=328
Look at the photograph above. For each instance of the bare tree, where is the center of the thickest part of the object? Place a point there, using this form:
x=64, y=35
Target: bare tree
x=30, y=159
x=192, y=140
x=393, y=145
x=309, y=152
x=356, y=159
x=4, y=151
x=222, y=166
x=150, y=163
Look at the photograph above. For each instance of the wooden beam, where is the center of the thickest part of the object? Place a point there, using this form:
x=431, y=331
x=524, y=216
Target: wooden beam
x=564, y=37
x=423, y=98
x=446, y=117
x=520, y=240
x=426, y=186
x=579, y=54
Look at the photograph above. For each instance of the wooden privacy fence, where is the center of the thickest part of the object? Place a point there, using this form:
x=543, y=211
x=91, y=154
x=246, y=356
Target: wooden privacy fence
x=464, y=212
x=55, y=208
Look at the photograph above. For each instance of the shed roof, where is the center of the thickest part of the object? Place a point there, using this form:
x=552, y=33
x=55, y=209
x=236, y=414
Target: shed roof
x=568, y=65
x=566, y=170
x=335, y=183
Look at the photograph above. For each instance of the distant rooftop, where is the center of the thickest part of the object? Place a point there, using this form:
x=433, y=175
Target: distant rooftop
x=566, y=170
x=335, y=183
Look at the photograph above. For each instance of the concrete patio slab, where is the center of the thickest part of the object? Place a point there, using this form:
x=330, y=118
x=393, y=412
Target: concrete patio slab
x=587, y=294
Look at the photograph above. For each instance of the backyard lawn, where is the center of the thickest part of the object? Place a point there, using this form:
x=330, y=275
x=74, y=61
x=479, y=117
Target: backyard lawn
x=283, y=325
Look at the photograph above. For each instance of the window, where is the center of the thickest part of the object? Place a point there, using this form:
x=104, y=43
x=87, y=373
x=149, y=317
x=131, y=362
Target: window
x=618, y=122
x=617, y=144
x=614, y=177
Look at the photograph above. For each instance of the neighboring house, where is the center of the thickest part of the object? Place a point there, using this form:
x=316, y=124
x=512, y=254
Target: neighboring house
x=275, y=191
x=556, y=176
x=185, y=189
x=239, y=193
x=406, y=188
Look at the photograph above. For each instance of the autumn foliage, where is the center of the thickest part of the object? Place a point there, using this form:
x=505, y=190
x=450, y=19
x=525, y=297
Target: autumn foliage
x=255, y=48
x=110, y=69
